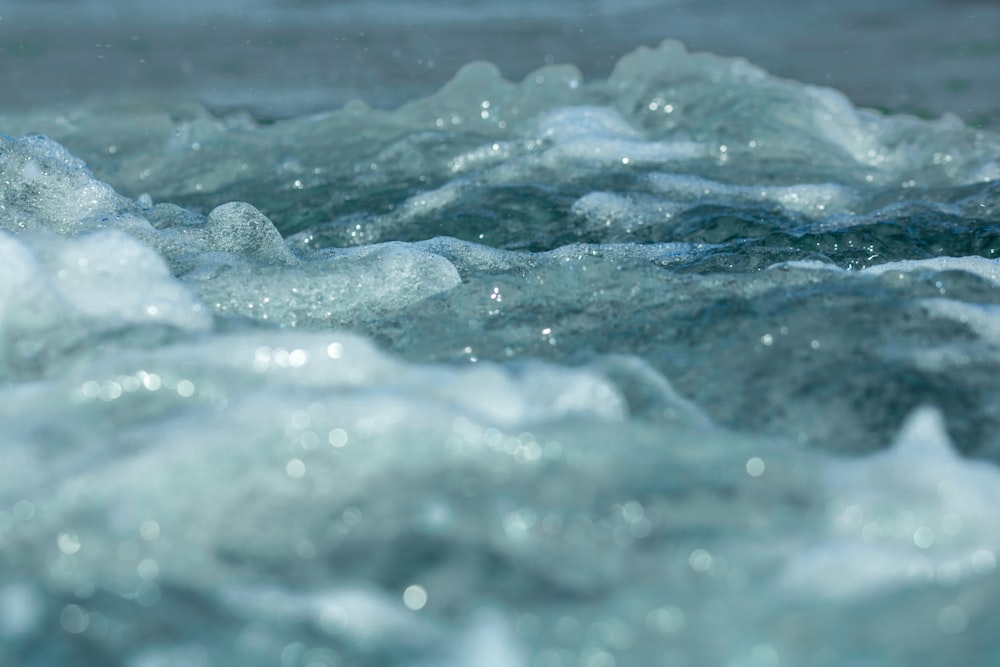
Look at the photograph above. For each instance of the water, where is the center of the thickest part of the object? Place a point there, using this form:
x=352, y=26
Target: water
x=681, y=365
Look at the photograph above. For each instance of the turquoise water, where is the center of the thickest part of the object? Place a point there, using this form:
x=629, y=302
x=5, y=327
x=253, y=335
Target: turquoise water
x=689, y=365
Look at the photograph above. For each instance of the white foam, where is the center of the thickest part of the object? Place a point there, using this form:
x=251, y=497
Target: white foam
x=241, y=229
x=806, y=265
x=489, y=641
x=585, y=123
x=983, y=319
x=533, y=393
x=600, y=135
x=22, y=282
x=110, y=276
x=190, y=654
x=648, y=392
x=473, y=257
x=988, y=269
x=365, y=618
x=153, y=436
x=429, y=202
x=609, y=212
x=328, y=288
x=56, y=291
x=816, y=199
x=910, y=515
x=52, y=189
x=370, y=621
x=21, y=609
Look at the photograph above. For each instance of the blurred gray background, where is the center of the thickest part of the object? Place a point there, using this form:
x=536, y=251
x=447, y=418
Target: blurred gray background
x=287, y=57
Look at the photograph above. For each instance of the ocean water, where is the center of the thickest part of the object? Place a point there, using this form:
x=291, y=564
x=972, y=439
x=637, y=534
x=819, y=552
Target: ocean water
x=682, y=365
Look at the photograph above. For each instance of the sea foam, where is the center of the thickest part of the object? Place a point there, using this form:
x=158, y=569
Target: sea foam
x=548, y=372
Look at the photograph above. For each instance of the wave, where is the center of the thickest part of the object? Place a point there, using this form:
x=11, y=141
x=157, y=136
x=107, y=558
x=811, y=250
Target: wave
x=565, y=371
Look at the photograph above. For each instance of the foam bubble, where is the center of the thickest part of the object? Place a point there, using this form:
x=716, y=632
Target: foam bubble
x=241, y=229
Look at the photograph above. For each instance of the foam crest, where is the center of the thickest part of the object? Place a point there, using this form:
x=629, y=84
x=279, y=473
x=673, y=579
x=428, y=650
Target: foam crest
x=328, y=289
x=573, y=124
x=600, y=135
x=981, y=319
x=234, y=257
x=44, y=187
x=607, y=212
x=814, y=199
x=108, y=275
x=789, y=125
x=241, y=229
x=366, y=620
x=224, y=369
x=914, y=514
x=59, y=292
x=988, y=269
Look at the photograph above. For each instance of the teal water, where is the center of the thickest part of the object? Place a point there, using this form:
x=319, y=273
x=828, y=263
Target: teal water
x=690, y=365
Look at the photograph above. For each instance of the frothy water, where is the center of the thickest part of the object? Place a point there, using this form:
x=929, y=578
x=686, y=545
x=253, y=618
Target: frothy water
x=690, y=365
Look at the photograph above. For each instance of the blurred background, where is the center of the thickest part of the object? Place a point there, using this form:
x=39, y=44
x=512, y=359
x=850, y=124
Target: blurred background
x=279, y=58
